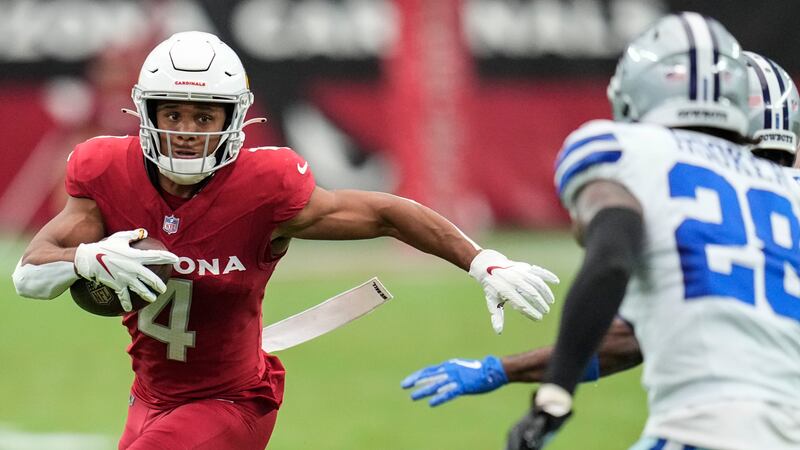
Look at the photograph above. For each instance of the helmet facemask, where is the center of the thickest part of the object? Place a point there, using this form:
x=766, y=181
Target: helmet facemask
x=190, y=171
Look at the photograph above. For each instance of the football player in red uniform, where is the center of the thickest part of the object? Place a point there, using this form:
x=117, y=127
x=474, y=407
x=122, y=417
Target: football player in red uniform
x=226, y=214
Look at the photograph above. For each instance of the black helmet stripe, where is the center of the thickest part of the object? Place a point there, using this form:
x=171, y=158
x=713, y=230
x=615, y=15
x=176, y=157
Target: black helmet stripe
x=703, y=57
x=784, y=98
x=762, y=80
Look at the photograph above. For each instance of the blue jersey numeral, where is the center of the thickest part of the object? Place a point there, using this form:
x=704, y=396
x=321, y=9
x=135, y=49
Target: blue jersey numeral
x=767, y=208
x=693, y=235
x=769, y=211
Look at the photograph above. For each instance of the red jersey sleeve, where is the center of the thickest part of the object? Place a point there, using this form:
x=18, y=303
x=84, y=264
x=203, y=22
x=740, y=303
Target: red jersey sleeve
x=87, y=162
x=280, y=177
x=74, y=184
x=297, y=184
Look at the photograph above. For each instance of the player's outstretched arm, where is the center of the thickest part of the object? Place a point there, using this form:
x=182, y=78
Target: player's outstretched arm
x=611, y=224
x=351, y=214
x=618, y=351
x=70, y=246
x=456, y=377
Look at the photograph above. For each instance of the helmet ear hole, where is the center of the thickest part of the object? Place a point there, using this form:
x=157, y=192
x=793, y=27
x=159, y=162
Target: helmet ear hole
x=626, y=110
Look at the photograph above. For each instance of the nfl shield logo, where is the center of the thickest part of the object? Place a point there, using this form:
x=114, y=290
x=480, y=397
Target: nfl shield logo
x=171, y=224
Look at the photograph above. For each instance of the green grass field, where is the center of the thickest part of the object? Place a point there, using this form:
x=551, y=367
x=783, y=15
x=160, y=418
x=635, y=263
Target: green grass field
x=65, y=371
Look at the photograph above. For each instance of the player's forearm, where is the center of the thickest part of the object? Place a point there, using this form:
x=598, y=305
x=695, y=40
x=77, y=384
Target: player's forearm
x=352, y=214
x=45, y=271
x=43, y=281
x=613, y=245
x=47, y=268
x=78, y=223
x=428, y=231
x=43, y=252
x=527, y=367
x=618, y=351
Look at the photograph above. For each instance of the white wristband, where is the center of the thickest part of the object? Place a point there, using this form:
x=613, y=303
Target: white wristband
x=45, y=281
x=553, y=399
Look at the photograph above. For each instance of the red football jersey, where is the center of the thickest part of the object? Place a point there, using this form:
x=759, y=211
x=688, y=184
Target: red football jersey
x=202, y=338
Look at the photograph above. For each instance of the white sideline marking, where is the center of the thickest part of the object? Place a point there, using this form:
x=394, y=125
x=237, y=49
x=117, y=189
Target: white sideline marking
x=11, y=439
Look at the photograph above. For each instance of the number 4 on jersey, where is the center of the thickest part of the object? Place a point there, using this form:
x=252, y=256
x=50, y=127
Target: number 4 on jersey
x=175, y=335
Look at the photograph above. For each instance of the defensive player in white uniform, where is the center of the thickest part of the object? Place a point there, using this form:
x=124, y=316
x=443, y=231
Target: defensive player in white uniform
x=699, y=237
x=774, y=124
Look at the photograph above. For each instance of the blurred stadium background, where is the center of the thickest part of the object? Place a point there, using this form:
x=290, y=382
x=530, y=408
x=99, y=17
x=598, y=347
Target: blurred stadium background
x=459, y=104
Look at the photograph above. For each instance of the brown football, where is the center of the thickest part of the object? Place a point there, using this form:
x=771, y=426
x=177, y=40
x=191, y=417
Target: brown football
x=101, y=300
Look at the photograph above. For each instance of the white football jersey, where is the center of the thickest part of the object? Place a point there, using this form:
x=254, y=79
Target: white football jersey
x=794, y=173
x=715, y=304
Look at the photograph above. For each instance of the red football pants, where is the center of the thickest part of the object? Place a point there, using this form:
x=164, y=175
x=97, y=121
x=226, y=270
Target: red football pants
x=200, y=425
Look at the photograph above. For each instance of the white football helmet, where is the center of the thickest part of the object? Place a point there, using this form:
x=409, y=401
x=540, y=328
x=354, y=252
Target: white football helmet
x=686, y=70
x=774, y=102
x=192, y=66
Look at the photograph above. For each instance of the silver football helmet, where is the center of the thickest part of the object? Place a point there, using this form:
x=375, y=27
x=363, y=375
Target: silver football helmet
x=686, y=70
x=774, y=102
x=192, y=66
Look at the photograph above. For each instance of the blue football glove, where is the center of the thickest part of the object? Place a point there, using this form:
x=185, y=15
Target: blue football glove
x=456, y=377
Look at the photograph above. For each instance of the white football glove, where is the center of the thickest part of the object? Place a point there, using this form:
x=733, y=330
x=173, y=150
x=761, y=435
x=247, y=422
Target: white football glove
x=520, y=284
x=115, y=264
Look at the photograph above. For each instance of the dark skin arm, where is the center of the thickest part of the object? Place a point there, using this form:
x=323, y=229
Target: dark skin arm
x=609, y=223
x=619, y=351
x=79, y=222
x=351, y=214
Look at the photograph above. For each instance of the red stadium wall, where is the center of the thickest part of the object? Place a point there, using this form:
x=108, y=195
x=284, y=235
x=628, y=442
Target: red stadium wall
x=463, y=104
x=511, y=136
x=25, y=124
